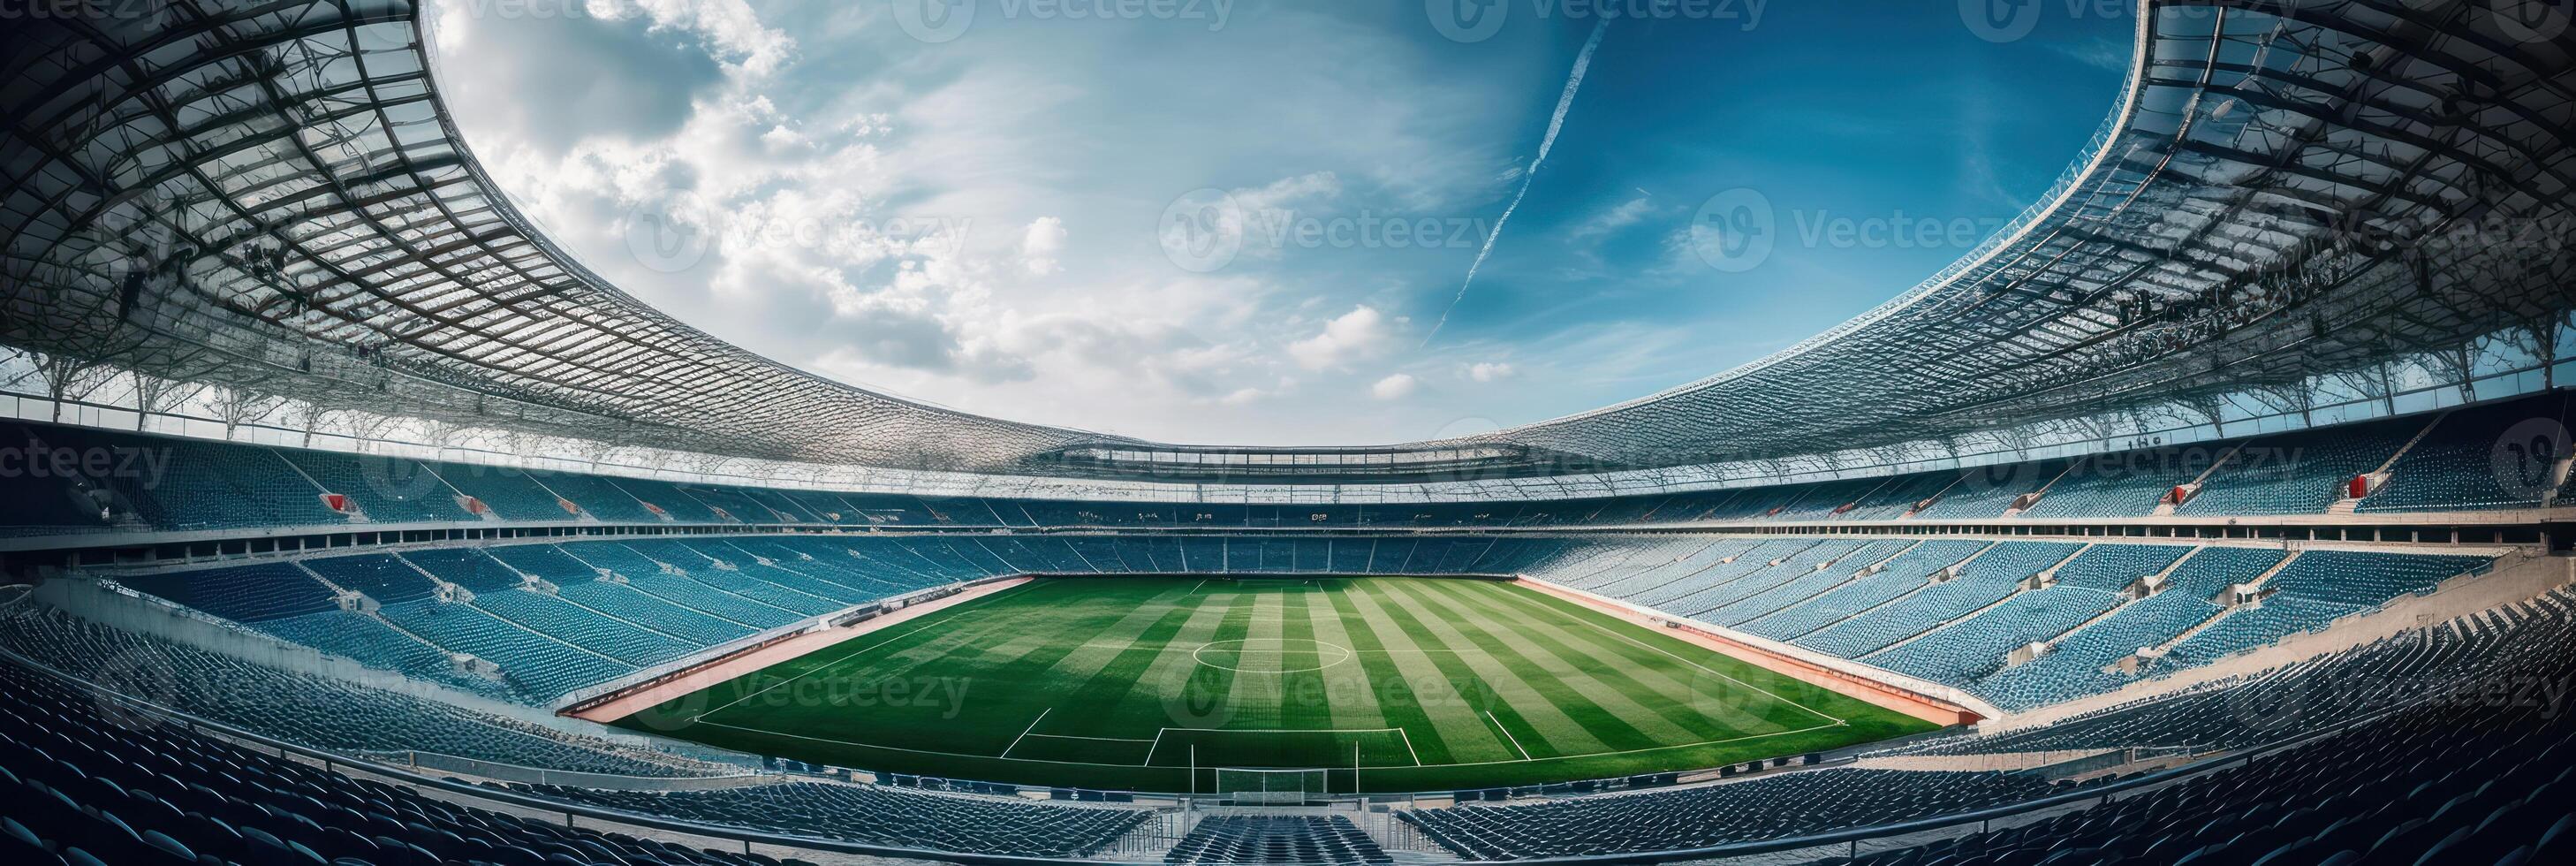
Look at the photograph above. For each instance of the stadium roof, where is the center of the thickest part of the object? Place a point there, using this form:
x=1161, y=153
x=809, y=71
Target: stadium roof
x=270, y=195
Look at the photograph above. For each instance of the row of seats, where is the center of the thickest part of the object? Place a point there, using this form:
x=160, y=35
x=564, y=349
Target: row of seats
x=884, y=815
x=2461, y=462
x=2465, y=653
x=558, y=617
x=2462, y=756
x=82, y=785
x=1298, y=840
x=2476, y=777
x=1907, y=613
x=1787, y=805
x=324, y=713
x=311, y=710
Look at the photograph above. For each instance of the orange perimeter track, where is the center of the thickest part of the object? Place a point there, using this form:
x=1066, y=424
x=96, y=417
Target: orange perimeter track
x=1840, y=682
x=684, y=683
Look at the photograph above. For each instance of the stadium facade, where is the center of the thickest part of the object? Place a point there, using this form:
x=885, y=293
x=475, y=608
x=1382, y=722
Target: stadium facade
x=2247, y=440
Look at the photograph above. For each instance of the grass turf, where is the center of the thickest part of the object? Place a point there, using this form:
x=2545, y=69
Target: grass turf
x=1126, y=683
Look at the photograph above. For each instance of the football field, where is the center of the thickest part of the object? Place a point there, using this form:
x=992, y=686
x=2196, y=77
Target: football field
x=1151, y=684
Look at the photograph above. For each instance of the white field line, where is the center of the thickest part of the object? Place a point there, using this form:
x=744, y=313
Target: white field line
x=1507, y=734
x=1099, y=739
x=1024, y=733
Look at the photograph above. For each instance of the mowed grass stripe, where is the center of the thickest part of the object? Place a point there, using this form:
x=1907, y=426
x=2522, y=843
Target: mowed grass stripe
x=1108, y=659
x=1242, y=699
x=1436, y=681
x=1543, y=705
x=1019, y=643
x=1077, y=655
x=1408, y=673
x=1307, y=697
x=1092, y=704
x=1084, y=660
x=1172, y=689
x=1740, y=706
x=765, y=692
x=1714, y=707
x=1351, y=687
x=1600, y=665
x=1258, y=685
x=1546, y=726
x=1735, y=689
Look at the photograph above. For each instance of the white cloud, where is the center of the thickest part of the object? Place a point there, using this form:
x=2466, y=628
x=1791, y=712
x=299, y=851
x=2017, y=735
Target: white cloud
x=1359, y=334
x=1039, y=245
x=1395, y=387
x=812, y=160
x=1488, y=371
x=727, y=25
x=1614, y=219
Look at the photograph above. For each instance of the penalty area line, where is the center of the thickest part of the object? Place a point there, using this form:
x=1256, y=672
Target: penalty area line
x=1024, y=733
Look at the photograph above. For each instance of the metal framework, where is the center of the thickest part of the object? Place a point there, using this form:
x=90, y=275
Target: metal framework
x=271, y=197
x=2288, y=191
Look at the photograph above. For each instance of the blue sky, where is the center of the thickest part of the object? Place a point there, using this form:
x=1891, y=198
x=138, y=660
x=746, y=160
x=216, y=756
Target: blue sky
x=1236, y=222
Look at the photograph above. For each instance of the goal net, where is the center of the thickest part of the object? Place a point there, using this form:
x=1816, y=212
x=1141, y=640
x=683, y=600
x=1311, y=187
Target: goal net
x=1270, y=787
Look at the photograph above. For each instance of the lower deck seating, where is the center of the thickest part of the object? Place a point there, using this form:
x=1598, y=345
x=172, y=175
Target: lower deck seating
x=886, y=816
x=307, y=709
x=79, y=787
x=2437, y=771
x=1787, y=805
x=546, y=667
x=1298, y=840
x=2437, y=777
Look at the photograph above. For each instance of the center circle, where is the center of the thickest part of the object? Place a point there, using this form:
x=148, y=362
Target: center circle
x=1274, y=656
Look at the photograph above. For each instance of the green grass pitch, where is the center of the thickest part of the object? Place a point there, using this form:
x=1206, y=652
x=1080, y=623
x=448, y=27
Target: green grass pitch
x=1127, y=683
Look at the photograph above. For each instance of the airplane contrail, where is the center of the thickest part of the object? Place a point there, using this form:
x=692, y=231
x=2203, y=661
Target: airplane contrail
x=1555, y=124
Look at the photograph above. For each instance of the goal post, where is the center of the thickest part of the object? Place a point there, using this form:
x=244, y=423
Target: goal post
x=1270, y=787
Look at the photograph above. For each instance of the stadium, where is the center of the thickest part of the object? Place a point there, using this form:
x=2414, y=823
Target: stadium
x=2216, y=509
